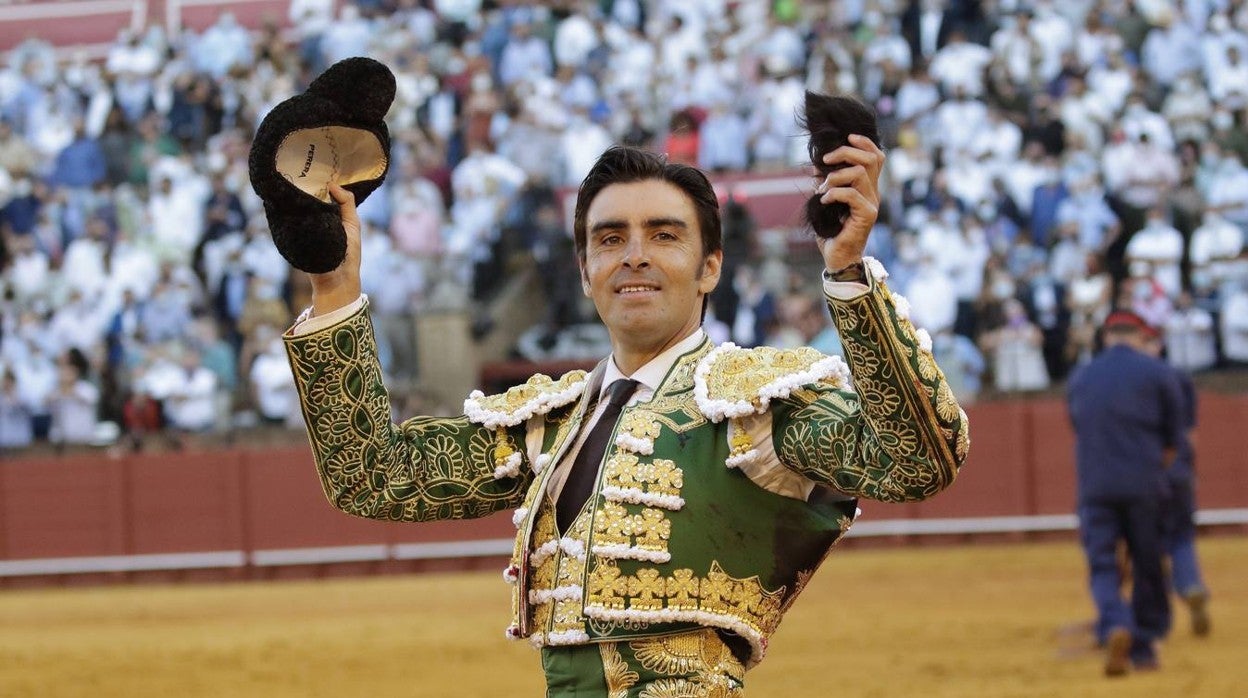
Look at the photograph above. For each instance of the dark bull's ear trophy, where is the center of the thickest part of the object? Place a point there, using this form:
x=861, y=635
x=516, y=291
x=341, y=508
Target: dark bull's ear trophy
x=336, y=131
x=830, y=120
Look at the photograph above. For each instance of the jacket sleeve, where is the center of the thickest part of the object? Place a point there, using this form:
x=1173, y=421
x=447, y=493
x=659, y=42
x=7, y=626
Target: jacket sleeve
x=424, y=469
x=899, y=435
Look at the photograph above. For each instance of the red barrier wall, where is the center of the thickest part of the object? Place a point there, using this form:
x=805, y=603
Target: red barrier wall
x=87, y=505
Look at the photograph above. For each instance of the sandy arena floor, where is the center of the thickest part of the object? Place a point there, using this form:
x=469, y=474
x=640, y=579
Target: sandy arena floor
x=935, y=622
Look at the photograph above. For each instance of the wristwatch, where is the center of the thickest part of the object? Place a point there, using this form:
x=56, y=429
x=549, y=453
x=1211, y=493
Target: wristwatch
x=856, y=271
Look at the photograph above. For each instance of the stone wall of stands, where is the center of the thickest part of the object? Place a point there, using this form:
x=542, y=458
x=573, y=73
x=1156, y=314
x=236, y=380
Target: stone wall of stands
x=259, y=514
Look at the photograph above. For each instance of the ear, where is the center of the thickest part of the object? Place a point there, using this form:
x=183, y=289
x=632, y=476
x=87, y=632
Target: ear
x=584, y=279
x=711, y=267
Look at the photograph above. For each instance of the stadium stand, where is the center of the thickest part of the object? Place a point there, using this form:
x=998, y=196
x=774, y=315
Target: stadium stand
x=1048, y=160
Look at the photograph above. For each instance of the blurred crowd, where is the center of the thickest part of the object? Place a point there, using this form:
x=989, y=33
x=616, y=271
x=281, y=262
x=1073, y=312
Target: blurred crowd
x=1048, y=160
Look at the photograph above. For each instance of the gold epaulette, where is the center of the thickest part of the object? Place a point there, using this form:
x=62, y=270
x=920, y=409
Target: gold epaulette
x=538, y=395
x=732, y=382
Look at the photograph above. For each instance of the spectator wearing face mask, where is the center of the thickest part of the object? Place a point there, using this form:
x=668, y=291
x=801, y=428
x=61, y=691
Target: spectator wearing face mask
x=1189, y=336
x=74, y=401
x=1016, y=351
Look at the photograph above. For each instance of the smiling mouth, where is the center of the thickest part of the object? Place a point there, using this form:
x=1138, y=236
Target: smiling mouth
x=626, y=290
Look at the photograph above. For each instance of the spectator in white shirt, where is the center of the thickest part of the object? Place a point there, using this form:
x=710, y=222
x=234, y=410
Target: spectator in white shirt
x=1018, y=50
x=1215, y=42
x=73, y=403
x=574, y=38
x=917, y=96
x=1170, y=50
x=29, y=274
x=277, y=401
x=960, y=120
x=348, y=36
x=1015, y=348
x=1229, y=83
x=1234, y=326
x=933, y=297
x=1084, y=113
x=16, y=416
x=1055, y=34
x=525, y=57
x=1187, y=108
x=1096, y=40
x=1189, y=336
x=191, y=403
x=310, y=19
x=1139, y=121
x=130, y=55
x=1159, y=245
x=961, y=64
x=1113, y=81
x=721, y=140
x=1023, y=176
x=175, y=214
x=1227, y=192
x=582, y=141
x=1214, y=247
x=1095, y=221
x=78, y=324
x=1148, y=175
x=82, y=268
x=223, y=46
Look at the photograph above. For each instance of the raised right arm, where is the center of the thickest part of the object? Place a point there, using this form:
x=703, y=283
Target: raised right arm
x=424, y=469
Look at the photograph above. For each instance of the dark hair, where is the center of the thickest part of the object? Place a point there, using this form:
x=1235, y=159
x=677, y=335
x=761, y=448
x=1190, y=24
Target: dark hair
x=830, y=120
x=624, y=165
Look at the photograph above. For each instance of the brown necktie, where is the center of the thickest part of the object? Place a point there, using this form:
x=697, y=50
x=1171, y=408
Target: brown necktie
x=580, y=482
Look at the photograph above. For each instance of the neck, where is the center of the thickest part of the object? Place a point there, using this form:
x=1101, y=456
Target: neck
x=629, y=357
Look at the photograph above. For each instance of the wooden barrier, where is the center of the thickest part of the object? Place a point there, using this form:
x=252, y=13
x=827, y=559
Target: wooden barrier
x=241, y=513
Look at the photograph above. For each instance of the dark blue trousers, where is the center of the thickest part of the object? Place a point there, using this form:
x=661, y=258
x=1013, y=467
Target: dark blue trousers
x=1180, y=537
x=1139, y=523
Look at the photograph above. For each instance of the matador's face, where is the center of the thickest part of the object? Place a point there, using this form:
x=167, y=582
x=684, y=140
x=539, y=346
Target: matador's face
x=644, y=267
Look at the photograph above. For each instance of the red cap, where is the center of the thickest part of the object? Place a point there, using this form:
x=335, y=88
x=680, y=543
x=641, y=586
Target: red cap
x=1126, y=318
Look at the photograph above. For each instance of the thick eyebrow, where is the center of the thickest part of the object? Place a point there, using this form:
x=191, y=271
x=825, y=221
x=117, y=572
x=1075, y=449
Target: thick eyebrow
x=649, y=223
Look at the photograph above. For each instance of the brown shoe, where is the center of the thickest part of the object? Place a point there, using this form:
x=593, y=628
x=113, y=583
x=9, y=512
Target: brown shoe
x=1198, y=604
x=1118, y=652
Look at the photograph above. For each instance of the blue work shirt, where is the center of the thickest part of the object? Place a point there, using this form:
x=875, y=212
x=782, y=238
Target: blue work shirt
x=1127, y=408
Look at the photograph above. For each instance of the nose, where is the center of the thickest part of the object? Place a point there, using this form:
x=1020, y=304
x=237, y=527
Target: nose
x=636, y=255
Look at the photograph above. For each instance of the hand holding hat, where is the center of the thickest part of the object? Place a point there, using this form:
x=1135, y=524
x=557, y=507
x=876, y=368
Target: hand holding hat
x=335, y=132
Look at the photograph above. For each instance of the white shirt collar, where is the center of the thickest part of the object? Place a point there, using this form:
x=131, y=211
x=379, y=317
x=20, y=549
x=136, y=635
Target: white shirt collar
x=653, y=372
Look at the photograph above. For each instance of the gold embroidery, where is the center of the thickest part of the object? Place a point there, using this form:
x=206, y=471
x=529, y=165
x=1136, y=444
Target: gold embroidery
x=542, y=575
x=640, y=424
x=659, y=476
x=607, y=587
x=695, y=663
x=740, y=442
x=425, y=469
x=672, y=407
x=571, y=572
x=619, y=677
x=672, y=655
x=738, y=375
x=673, y=688
x=537, y=388
x=612, y=525
x=652, y=529
x=503, y=447
x=664, y=477
x=964, y=435
x=622, y=470
x=914, y=431
x=646, y=590
x=718, y=593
